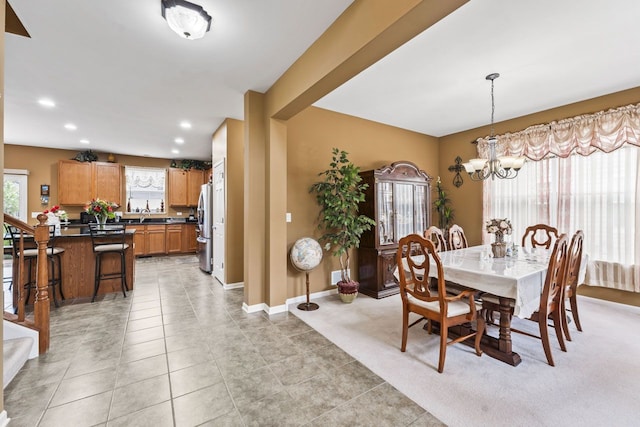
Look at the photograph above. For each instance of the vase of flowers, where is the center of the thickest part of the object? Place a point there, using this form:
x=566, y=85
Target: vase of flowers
x=499, y=227
x=102, y=210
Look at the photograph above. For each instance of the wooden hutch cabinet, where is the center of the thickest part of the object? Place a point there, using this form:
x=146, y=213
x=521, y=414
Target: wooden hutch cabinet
x=398, y=199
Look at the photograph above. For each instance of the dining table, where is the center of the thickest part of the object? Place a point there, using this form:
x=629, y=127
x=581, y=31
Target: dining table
x=516, y=280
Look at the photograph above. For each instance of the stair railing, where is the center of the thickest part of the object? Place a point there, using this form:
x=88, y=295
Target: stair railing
x=41, y=304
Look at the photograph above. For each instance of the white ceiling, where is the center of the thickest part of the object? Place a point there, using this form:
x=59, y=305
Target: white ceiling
x=548, y=53
x=118, y=72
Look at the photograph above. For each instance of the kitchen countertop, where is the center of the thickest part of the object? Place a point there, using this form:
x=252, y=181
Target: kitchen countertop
x=82, y=230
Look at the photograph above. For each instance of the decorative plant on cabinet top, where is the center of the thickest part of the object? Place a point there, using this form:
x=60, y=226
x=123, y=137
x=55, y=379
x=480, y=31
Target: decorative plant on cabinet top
x=338, y=196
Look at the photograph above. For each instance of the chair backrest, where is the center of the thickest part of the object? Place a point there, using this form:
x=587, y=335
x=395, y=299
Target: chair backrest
x=434, y=234
x=539, y=235
x=552, y=292
x=574, y=260
x=27, y=239
x=108, y=234
x=457, y=239
x=413, y=258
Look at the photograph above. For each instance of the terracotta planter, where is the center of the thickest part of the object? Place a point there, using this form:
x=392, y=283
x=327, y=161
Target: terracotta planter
x=348, y=291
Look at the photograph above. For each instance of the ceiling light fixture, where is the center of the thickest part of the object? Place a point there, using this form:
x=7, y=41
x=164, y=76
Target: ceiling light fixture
x=179, y=141
x=175, y=151
x=70, y=126
x=504, y=167
x=45, y=102
x=185, y=124
x=188, y=20
x=84, y=141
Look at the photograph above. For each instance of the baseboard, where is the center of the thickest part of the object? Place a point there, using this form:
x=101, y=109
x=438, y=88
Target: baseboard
x=285, y=307
x=315, y=295
x=4, y=419
x=227, y=286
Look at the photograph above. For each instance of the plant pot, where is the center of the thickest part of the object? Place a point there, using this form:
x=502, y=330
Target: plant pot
x=348, y=291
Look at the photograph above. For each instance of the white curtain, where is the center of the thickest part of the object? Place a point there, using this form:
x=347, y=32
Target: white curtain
x=599, y=194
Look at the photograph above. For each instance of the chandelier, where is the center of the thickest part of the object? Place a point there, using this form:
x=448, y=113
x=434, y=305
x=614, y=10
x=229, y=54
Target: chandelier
x=504, y=167
x=188, y=20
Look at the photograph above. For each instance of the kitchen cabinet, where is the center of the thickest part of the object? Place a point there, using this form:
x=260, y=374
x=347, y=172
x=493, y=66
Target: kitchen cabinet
x=398, y=200
x=174, y=238
x=184, y=186
x=80, y=182
x=189, y=242
x=150, y=239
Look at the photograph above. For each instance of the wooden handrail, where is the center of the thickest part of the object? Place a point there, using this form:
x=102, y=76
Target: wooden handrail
x=41, y=304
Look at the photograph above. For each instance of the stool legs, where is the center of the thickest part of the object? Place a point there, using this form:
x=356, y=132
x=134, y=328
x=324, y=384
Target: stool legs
x=98, y=276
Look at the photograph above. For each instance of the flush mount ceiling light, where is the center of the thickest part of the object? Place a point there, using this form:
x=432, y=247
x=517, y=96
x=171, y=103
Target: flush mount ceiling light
x=188, y=20
x=504, y=167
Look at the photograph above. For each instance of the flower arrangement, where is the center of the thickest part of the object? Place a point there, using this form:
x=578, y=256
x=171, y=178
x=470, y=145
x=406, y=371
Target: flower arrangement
x=56, y=211
x=499, y=227
x=102, y=209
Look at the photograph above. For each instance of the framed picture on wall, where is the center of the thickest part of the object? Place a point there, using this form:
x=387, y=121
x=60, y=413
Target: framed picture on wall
x=44, y=190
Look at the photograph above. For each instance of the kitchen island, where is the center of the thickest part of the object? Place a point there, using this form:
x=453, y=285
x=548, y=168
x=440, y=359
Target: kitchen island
x=78, y=265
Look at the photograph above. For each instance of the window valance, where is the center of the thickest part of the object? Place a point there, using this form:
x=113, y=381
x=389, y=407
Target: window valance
x=605, y=131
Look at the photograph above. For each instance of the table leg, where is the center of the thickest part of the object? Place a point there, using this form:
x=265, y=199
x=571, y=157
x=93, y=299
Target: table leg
x=500, y=348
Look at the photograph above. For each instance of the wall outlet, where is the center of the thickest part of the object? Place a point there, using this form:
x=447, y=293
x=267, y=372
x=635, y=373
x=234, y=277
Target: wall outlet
x=35, y=214
x=288, y=217
x=179, y=213
x=336, y=276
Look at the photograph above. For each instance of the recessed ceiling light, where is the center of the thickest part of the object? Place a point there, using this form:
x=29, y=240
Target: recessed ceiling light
x=185, y=124
x=84, y=141
x=70, y=126
x=175, y=151
x=179, y=141
x=45, y=102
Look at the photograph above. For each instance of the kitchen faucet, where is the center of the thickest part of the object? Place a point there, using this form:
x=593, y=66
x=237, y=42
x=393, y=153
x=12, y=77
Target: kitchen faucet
x=145, y=213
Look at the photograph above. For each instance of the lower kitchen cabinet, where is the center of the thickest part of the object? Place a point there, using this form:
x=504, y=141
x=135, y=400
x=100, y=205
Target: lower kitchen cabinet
x=161, y=239
x=174, y=238
x=189, y=242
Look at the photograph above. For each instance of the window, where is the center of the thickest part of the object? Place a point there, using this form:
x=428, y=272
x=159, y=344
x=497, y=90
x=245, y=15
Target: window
x=145, y=189
x=16, y=193
x=597, y=194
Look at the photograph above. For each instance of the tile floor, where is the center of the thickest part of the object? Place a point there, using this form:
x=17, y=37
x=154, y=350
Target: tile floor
x=180, y=351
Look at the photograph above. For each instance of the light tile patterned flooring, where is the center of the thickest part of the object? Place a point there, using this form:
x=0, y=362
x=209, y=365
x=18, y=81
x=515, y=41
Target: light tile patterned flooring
x=180, y=351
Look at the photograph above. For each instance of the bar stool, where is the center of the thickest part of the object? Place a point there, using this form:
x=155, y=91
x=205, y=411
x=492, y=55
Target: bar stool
x=109, y=239
x=30, y=254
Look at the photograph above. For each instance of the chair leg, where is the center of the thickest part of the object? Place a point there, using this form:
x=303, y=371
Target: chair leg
x=123, y=280
x=557, y=324
x=444, y=331
x=565, y=324
x=405, y=328
x=544, y=335
x=480, y=327
x=574, y=311
x=96, y=278
x=52, y=281
x=60, y=276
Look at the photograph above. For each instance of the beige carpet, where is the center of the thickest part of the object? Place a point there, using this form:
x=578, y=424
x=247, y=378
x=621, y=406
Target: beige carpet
x=595, y=383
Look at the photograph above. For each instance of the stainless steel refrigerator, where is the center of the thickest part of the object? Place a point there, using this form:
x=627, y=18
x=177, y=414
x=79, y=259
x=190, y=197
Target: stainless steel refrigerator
x=205, y=228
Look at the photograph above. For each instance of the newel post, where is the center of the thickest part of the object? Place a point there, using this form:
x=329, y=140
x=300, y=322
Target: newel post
x=41, y=304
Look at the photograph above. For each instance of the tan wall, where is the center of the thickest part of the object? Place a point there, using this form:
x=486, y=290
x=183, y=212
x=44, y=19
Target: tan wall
x=467, y=200
x=42, y=164
x=311, y=136
x=2, y=25
x=228, y=143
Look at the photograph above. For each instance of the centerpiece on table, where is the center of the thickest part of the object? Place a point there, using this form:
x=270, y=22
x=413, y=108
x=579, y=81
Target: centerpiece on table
x=102, y=210
x=499, y=227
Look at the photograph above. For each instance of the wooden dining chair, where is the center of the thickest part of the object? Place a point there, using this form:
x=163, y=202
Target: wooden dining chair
x=539, y=235
x=413, y=258
x=434, y=234
x=551, y=300
x=457, y=239
x=571, y=282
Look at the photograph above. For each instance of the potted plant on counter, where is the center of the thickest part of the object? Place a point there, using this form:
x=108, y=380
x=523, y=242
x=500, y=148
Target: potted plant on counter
x=338, y=196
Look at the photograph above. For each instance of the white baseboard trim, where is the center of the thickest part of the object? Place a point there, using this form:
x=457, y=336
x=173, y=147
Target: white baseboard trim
x=303, y=298
x=227, y=286
x=285, y=307
x=4, y=419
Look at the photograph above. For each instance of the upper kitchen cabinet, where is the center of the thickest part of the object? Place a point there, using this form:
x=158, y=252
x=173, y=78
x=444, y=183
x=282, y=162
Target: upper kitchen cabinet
x=80, y=182
x=184, y=186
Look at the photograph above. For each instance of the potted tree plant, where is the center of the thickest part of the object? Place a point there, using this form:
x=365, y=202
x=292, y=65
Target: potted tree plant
x=443, y=207
x=338, y=196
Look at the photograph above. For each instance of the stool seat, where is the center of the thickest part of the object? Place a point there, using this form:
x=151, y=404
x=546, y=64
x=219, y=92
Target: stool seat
x=116, y=247
x=30, y=254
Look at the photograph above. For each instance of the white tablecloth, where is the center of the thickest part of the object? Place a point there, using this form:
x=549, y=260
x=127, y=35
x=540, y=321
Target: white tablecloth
x=520, y=278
